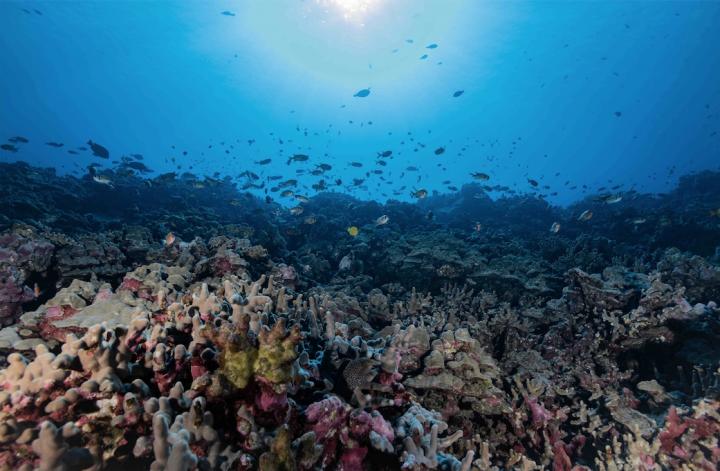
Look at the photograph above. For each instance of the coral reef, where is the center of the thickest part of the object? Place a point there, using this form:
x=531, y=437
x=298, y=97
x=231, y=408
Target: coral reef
x=415, y=345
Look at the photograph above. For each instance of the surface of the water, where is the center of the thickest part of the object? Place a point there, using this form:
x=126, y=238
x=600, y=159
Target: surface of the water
x=566, y=93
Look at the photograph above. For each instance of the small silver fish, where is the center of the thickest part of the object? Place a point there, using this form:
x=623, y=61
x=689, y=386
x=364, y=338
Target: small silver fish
x=585, y=215
x=555, y=228
x=102, y=180
x=382, y=220
x=297, y=210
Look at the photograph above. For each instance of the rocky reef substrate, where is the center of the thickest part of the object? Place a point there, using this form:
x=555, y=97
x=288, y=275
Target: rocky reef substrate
x=254, y=340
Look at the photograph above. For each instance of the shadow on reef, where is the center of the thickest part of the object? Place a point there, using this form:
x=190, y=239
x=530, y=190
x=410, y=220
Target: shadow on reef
x=175, y=323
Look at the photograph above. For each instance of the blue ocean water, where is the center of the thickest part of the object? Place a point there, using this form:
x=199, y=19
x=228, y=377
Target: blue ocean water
x=570, y=94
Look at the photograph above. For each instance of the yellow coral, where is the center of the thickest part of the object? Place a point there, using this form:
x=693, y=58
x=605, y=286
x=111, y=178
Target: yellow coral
x=238, y=366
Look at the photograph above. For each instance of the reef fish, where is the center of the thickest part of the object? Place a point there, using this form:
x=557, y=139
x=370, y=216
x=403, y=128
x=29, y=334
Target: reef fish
x=458, y=93
x=54, y=144
x=98, y=150
x=419, y=194
x=353, y=231
x=169, y=239
x=298, y=158
x=296, y=210
x=9, y=147
x=382, y=220
x=385, y=153
x=480, y=176
x=555, y=228
x=263, y=161
x=585, y=215
x=18, y=140
x=102, y=180
x=362, y=93
x=439, y=150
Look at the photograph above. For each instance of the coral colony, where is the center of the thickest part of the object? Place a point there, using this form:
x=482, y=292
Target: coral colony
x=274, y=346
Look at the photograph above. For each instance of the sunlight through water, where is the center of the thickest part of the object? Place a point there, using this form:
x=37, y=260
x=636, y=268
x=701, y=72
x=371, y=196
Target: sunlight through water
x=352, y=10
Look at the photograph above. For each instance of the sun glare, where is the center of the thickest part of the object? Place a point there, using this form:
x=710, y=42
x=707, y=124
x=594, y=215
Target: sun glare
x=351, y=10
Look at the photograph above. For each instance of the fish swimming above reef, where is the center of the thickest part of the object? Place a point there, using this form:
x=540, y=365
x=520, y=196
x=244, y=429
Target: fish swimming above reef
x=297, y=210
x=385, y=153
x=19, y=140
x=98, y=150
x=102, y=180
x=382, y=220
x=585, y=215
x=610, y=198
x=302, y=199
x=362, y=93
x=480, y=176
x=555, y=228
x=9, y=147
x=533, y=182
x=298, y=158
x=169, y=239
x=419, y=194
x=263, y=161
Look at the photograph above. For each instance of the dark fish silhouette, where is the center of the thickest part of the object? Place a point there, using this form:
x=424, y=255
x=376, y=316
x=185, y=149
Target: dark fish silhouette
x=423, y=57
x=263, y=161
x=431, y=46
x=54, y=144
x=458, y=93
x=362, y=93
x=298, y=158
x=385, y=153
x=439, y=150
x=9, y=147
x=227, y=13
x=18, y=140
x=98, y=150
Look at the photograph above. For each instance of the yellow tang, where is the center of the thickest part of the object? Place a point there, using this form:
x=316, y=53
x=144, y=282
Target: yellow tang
x=353, y=231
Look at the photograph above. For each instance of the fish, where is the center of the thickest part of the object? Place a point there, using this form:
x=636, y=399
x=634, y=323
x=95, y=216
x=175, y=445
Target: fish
x=356, y=164
x=102, y=180
x=585, y=215
x=385, y=153
x=480, y=176
x=412, y=169
x=423, y=57
x=610, y=199
x=227, y=13
x=298, y=158
x=263, y=161
x=286, y=193
x=458, y=93
x=353, y=231
x=533, y=182
x=286, y=183
x=477, y=227
x=302, y=199
x=345, y=263
x=382, y=220
x=419, y=194
x=555, y=228
x=98, y=150
x=638, y=221
x=310, y=220
x=297, y=210
x=54, y=144
x=73, y=152
x=439, y=150
x=362, y=93
x=431, y=46
x=9, y=147
x=19, y=140
x=169, y=239
x=324, y=167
